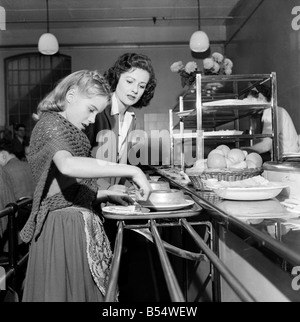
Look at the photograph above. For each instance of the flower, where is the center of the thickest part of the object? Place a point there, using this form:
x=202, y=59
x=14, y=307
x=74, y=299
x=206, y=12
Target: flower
x=217, y=64
x=187, y=72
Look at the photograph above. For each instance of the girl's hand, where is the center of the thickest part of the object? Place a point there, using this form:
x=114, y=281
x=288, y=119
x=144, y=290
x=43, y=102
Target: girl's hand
x=120, y=199
x=144, y=186
x=114, y=197
x=118, y=188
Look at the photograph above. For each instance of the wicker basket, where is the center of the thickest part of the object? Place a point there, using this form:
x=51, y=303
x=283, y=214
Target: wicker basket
x=198, y=179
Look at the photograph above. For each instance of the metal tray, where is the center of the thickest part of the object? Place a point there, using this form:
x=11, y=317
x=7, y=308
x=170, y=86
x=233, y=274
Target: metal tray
x=182, y=213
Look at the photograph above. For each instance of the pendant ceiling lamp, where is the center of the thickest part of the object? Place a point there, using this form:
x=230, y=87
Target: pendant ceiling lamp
x=48, y=44
x=199, y=41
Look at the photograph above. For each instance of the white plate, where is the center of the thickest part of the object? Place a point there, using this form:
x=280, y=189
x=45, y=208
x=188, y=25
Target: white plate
x=170, y=207
x=252, y=193
x=130, y=210
x=230, y=102
x=224, y=132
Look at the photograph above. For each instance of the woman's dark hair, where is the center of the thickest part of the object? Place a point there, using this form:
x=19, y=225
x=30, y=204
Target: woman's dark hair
x=125, y=63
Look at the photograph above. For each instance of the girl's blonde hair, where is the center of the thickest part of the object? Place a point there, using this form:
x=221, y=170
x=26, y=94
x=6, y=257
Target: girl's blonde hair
x=88, y=83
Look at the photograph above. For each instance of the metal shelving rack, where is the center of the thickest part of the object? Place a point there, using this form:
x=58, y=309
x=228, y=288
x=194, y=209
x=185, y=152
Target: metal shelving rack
x=199, y=109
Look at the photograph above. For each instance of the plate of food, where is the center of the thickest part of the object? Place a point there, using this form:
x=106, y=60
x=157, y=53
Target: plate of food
x=251, y=193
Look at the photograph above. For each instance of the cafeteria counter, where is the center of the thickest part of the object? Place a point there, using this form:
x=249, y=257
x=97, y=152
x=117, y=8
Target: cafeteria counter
x=257, y=241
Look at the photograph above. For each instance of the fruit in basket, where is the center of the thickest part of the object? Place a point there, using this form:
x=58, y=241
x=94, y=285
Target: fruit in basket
x=217, y=151
x=222, y=157
x=216, y=161
x=236, y=156
x=223, y=148
x=240, y=165
x=255, y=158
x=229, y=163
x=251, y=164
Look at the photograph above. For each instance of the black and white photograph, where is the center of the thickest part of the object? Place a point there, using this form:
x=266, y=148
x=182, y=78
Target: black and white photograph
x=149, y=154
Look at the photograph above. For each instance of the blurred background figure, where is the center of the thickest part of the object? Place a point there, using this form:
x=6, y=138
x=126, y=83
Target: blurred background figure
x=26, y=149
x=6, y=134
x=287, y=134
x=20, y=176
x=19, y=141
x=6, y=196
x=18, y=171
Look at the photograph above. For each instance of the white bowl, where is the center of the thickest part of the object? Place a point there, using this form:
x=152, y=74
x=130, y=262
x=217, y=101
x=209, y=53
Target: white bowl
x=251, y=193
x=166, y=197
x=159, y=185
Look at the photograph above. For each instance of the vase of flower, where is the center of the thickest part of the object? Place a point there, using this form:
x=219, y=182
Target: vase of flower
x=217, y=64
x=187, y=73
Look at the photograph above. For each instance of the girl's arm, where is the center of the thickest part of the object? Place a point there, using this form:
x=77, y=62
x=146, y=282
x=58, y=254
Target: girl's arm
x=114, y=197
x=83, y=167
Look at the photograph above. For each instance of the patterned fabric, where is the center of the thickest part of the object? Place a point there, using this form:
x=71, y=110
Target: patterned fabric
x=98, y=249
x=51, y=134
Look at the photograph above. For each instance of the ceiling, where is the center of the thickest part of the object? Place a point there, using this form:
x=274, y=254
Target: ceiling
x=84, y=13
x=176, y=15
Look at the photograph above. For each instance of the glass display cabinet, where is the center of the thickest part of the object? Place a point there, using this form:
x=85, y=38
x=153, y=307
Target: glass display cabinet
x=215, y=110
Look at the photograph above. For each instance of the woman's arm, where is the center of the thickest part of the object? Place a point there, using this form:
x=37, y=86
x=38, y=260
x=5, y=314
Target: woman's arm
x=83, y=167
x=265, y=145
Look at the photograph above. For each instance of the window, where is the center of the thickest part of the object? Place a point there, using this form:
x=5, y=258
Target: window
x=29, y=77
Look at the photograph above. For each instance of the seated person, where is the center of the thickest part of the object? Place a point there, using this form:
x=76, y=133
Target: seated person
x=19, y=141
x=18, y=171
x=6, y=196
x=20, y=177
x=287, y=134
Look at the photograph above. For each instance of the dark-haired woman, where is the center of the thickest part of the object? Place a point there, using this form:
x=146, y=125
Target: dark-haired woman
x=132, y=81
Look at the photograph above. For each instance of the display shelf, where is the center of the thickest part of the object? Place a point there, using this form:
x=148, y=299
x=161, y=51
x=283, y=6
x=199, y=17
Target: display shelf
x=218, y=101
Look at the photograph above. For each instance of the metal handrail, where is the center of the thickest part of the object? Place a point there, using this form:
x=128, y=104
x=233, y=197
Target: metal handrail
x=11, y=210
x=224, y=271
x=172, y=283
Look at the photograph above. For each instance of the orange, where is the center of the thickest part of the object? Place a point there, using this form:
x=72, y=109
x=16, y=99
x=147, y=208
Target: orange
x=216, y=161
x=255, y=158
x=224, y=148
x=236, y=156
x=251, y=164
x=240, y=165
x=216, y=151
x=228, y=163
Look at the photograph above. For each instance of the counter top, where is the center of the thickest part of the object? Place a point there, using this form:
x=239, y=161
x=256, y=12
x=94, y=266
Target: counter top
x=267, y=221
